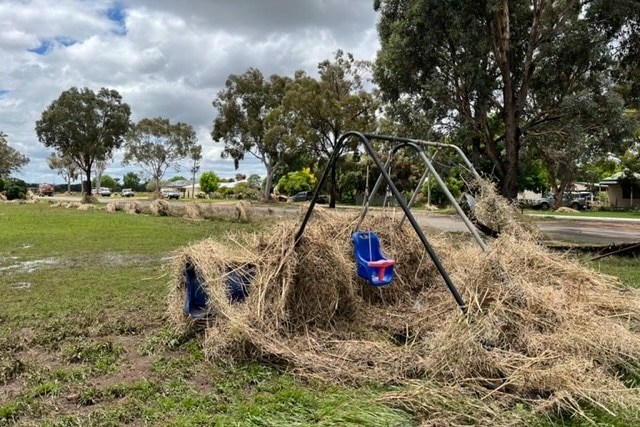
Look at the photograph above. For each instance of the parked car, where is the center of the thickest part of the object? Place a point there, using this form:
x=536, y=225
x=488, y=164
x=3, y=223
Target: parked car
x=305, y=196
x=104, y=192
x=575, y=201
x=170, y=194
x=127, y=192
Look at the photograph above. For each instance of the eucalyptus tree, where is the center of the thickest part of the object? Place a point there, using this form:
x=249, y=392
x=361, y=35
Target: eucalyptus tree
x=157, y=144
x=195, y=155
x=323, y=109
x=250, y=121
x=85, y=127
x=65, y=167
x=131, y=180
x=493, y=71
x=10, y=159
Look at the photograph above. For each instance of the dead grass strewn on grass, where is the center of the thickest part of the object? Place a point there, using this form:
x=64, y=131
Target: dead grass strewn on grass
x=243, y=211
x=112, y=207
x=539, y=328
x=193, y=211
x=160, y=207
x=132, y=207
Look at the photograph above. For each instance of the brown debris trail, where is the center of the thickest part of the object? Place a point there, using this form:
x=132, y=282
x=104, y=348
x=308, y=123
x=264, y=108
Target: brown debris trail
x=540, y=328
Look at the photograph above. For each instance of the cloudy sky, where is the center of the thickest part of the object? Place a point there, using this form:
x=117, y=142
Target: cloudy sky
x=166, y=58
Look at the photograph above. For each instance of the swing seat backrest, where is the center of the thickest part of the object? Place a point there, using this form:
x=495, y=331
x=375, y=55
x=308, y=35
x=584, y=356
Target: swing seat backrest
x=195, y=301
x=371, y=263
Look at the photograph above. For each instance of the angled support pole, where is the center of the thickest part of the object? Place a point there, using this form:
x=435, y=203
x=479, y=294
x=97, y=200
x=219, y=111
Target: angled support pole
x=364, y=139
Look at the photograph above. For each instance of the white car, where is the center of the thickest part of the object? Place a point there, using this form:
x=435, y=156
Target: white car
x=170, y=194
x=104, y=191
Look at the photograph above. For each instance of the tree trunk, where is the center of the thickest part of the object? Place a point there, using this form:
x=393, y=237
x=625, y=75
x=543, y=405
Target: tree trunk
x=267, y=183
x=332, y=186
x=512, y=146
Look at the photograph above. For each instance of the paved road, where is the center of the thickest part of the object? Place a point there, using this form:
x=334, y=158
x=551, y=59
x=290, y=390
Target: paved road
x=603, y=231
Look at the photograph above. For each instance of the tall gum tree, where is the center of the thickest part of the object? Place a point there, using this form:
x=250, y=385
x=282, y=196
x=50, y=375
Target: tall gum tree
x=157, y=144
x=250, y=121
x=470, y=62
x=10, y=159
x=65, y=167
x=323, y=109
x=85, y=127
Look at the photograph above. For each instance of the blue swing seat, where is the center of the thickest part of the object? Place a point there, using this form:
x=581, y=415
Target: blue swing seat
x=372, y=265
x=237, y=280
x=195, y=301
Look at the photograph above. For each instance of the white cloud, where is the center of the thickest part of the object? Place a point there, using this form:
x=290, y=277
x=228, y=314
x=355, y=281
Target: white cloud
x=165, y=58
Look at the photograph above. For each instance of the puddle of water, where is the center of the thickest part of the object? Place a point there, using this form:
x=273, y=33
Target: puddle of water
x=30, y=266
x=20, y=285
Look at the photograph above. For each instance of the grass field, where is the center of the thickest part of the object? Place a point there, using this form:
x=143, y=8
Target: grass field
x=83, y=341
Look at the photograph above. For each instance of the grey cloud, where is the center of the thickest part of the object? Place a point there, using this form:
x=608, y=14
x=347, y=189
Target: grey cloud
x=172, y=60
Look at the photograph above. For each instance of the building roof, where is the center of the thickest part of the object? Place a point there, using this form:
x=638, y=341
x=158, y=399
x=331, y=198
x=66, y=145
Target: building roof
x=614, y=179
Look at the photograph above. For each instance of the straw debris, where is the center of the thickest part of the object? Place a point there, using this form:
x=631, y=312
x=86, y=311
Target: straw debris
x=112, y=207
x=159, y=207
x=133, y=207
x=539, y=329
x=193, y=211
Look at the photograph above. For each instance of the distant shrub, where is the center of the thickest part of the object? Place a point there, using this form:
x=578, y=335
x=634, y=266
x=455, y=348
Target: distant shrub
x=14, y=188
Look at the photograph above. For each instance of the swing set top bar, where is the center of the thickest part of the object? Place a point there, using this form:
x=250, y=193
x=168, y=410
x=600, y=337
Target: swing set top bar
x=364, y=139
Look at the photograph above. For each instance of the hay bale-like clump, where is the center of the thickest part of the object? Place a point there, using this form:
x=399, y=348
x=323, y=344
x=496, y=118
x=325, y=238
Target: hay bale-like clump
x=112, y=207
x=193, y=211
x=160, y=207
x=132, y=207
x=538, y=328
x=499, y=214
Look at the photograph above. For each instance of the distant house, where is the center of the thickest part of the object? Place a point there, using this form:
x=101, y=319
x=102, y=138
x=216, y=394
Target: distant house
x=190, y=190
x=181, y=185
x=622, y=193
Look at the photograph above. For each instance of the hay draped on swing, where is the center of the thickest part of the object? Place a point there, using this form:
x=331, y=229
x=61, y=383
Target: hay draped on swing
x=555, y=336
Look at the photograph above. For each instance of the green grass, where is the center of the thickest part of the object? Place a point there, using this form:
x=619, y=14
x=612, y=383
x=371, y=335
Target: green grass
x=83, y=341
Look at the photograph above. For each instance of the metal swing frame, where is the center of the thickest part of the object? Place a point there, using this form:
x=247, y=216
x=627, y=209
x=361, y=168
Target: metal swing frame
x=417, y=145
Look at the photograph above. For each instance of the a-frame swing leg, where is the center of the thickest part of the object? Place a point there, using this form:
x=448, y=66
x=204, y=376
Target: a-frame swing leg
x=364, y=139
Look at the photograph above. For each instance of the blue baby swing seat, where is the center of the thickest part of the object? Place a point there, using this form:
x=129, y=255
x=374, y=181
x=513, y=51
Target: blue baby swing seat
x=372, y=265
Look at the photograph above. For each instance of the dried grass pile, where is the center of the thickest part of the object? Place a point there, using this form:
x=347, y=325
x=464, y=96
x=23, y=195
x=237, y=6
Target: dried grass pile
x=132, y=207
x=159, y=207
x=243, y=211
x=540, y=329
x=86, y=207
x=112, y=207
x=193, y=211
x=498, y=213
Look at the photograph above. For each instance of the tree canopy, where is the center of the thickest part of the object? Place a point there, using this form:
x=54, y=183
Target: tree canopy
x=495, y=71
x=10, y=159
x=157, y=145
x=250, y=121
x=325, y=108
x=85, y=127
x=65, y=167
x=131, y=180
x=209, y=182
